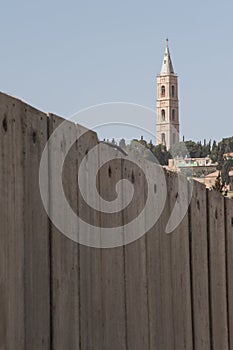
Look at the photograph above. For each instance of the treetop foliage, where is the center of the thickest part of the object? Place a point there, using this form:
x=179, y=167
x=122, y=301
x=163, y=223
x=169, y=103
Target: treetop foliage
x=187, y=149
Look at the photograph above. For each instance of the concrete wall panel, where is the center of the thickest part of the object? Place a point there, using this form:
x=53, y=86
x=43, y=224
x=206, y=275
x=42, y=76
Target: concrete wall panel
x=163, y=291
x=217, y=271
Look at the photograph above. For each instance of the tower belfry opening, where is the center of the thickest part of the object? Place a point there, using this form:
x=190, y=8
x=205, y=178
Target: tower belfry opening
x=167, y=126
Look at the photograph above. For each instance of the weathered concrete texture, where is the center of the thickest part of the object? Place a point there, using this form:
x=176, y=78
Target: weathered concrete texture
x=36, y=238
x=229, y=264
x=180, y=276
x=65, y=310
x=137, y=313
x=91, y=296
x=112, y=265
x=24, y=278
x=12, y=325
x=160, y=291
x=199, y=267
x=164, y=291
x=217, y=266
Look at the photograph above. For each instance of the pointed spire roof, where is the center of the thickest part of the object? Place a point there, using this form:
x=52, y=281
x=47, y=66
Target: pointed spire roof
x=167, y=67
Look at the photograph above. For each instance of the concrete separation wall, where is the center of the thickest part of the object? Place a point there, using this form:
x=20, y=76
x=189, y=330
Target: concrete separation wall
x=163, y=291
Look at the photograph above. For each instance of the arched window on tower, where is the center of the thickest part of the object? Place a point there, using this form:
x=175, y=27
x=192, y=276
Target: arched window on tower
x=173, y=91
x=163, y=115
x=163, y=140
x=173, y=115
x=163, y=91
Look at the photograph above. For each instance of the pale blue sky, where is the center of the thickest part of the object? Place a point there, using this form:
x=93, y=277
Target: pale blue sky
x=64, y=56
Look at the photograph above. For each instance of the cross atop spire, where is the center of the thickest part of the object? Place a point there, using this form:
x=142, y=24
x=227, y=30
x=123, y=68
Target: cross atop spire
x=167, y=67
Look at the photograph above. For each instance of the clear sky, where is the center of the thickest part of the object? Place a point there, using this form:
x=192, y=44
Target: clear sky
x=64, y=56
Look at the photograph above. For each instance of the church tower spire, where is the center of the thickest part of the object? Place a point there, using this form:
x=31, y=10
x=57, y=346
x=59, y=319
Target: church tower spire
x=167, y=128
x=167, y=67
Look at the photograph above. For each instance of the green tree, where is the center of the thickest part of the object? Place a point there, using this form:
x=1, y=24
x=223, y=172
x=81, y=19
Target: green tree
x=161, y=154
x=214, y=152
x=218, y=186
x=227, y=166
x=179, y=150
x=122, y=143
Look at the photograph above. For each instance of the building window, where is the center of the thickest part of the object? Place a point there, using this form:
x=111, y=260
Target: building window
x=162, y=90
x=163, y=139
x=173, y=91
x=163, y=115
x=173, y=115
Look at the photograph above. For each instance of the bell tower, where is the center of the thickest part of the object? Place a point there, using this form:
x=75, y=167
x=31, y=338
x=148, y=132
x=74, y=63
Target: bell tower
x=167, y=126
